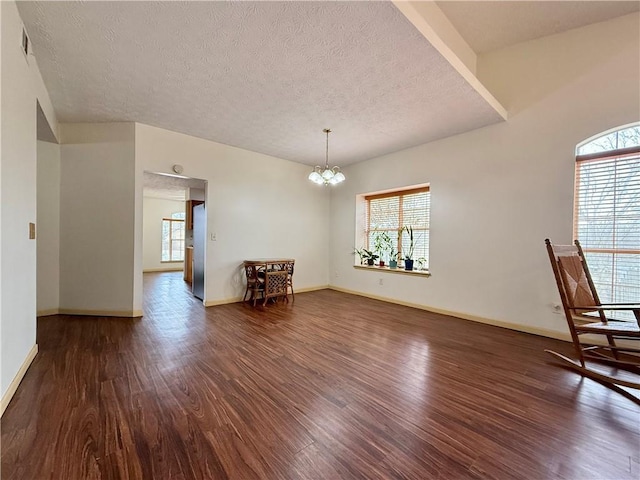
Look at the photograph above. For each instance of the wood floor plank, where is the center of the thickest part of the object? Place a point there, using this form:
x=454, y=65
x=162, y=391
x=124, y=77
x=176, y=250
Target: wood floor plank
x=329, y=386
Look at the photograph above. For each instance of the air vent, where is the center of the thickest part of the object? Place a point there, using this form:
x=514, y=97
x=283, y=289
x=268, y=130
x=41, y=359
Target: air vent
x=26, y=45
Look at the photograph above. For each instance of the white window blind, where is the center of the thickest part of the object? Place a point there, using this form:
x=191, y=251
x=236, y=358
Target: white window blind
x=391, y=212
x=607, y=213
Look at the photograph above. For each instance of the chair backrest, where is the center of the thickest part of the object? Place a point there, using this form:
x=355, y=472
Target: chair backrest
x=576, y=284
x=276, y=282
x=286, y=266
x=252, y=273
x=573, y=279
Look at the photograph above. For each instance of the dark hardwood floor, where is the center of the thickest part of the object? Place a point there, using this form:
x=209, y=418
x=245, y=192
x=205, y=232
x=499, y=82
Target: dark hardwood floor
x=331, y=386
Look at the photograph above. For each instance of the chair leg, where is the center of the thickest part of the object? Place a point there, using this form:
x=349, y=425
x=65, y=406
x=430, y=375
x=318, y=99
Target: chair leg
x=612, y=343
x=593, y=374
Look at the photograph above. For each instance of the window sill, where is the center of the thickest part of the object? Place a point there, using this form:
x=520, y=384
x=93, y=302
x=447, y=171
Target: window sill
x=402, y=271
x=172, y=261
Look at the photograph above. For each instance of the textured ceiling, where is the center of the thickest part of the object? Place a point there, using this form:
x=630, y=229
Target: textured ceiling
x=264, y=76
x=489, y=25
x=269, y=76
x=169, y=187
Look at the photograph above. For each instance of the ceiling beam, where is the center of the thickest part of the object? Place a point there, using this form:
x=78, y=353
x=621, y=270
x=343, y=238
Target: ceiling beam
x=434, y=25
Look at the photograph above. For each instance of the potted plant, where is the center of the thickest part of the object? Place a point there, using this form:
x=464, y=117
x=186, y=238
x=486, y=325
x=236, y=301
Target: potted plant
x=382, y=244
x=393, y=258
x=421, y=263
x=369, y=256
x=408, y=256
x=361, y=254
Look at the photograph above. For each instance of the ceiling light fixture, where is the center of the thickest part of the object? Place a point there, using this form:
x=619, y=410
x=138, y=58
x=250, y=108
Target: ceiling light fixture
x=328, y=176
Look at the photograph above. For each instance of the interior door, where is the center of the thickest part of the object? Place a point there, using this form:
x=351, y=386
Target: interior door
x=199, y=245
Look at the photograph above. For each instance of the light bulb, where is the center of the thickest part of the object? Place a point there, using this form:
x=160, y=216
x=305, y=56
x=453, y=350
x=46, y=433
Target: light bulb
x=315, y=177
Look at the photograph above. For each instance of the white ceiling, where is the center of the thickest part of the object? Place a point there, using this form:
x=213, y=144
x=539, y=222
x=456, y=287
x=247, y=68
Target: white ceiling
x=490, y=25
x=269, y=76
x=169, y=187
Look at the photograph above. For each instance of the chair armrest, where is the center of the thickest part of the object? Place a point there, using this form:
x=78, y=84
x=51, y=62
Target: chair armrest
x=635, y=308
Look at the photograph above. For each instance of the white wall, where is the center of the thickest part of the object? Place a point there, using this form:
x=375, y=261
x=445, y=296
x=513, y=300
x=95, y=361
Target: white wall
x=22, y=87
x=498, y=192
x=257, y=205
x=154, y=210
x=97, y=229
x=196, y=194
x=48, y=235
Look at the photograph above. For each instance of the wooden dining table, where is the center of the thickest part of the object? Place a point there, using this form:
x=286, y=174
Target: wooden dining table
x=269, y=277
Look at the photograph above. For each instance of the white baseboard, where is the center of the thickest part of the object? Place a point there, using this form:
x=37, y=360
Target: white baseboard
x=90, y=313
x=225, y=301
x=163, y=269
x=312, y=289
x=101, y=313
x=465, y=316
x=13, y=386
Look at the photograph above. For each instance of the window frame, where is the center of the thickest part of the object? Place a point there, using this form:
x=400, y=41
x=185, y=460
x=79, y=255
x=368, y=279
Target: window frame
x=400, y=194
x=171, y=240
x=613, y=155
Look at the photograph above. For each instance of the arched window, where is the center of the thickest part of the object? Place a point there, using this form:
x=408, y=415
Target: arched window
x=607, y=212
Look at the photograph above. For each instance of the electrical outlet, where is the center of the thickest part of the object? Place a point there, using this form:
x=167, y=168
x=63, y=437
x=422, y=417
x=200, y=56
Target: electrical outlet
x=380, y=281
x=213, y=237
x=557, y=308
x=336, y=274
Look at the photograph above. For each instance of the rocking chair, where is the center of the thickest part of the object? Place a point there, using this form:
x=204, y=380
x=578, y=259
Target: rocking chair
x=586, y=315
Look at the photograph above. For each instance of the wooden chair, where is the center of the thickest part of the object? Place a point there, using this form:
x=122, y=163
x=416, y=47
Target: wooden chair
x=290, y=278
x=275, y=285
x=254, y=285
x=586, y=315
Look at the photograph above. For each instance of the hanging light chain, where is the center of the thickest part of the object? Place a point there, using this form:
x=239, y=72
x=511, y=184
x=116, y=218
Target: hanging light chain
x=327, y=131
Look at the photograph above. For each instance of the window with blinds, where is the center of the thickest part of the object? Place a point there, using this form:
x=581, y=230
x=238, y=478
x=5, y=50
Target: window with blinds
x=607, y=213
x=392, y=211
x=173, y=237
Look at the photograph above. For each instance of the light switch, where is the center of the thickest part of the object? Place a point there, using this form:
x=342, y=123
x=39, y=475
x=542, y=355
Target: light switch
x=32, y=231
x=213, y=237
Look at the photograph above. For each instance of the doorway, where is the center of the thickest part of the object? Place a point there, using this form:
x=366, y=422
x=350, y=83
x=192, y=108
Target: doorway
x=170, y=241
